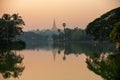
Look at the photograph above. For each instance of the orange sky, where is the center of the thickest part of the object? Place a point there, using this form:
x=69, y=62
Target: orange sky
x=40, y=13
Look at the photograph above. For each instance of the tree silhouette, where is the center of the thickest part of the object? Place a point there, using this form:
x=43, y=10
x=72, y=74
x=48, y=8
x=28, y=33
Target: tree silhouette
x=64, y=25
x=10, y=26
x=101, y=27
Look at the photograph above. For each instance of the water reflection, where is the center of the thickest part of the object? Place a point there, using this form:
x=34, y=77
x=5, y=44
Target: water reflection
x=102, y=58
x=10, y=62
x=45, y=61
x=41, y=45
x=106, y=65
x=84, y=47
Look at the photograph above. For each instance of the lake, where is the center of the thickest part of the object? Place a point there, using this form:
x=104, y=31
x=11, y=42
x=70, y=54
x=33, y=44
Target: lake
x=52, y=62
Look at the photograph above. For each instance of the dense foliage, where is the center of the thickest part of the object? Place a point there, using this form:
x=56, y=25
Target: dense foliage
x=69, y=35
x=115, y=34
x=10, y=26
x=101, y=27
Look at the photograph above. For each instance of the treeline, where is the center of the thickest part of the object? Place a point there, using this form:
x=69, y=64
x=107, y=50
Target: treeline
x=35, y=37
x=71, y=35
x=34, y=40
x=32, y=37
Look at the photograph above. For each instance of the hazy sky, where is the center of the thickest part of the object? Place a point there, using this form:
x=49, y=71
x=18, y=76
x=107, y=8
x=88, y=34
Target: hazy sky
x=40, y=13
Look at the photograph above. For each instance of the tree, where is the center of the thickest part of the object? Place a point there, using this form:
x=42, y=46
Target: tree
x=101, y=27
x=4, y=25
x=10, y=26
x=115, y=35
x=64, y=25
x=67, y=34
x=78, y=34
x=18, y=23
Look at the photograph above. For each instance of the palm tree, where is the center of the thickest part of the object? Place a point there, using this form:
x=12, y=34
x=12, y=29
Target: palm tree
x=64, y=25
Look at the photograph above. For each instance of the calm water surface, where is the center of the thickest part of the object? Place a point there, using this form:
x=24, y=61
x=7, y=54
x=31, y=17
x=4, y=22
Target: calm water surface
x=81, y=61
x=49, y=65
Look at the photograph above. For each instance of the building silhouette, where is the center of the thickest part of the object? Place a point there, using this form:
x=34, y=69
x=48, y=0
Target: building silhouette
x=54, y=28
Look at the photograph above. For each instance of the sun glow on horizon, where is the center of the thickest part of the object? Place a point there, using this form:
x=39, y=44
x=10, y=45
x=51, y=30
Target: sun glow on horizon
x=40, y=13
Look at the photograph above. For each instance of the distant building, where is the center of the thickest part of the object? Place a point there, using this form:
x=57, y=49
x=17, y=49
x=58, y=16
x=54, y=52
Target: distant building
x=54, y=28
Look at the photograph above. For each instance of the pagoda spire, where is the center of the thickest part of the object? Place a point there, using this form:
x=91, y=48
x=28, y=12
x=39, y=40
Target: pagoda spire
x=54, y=25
